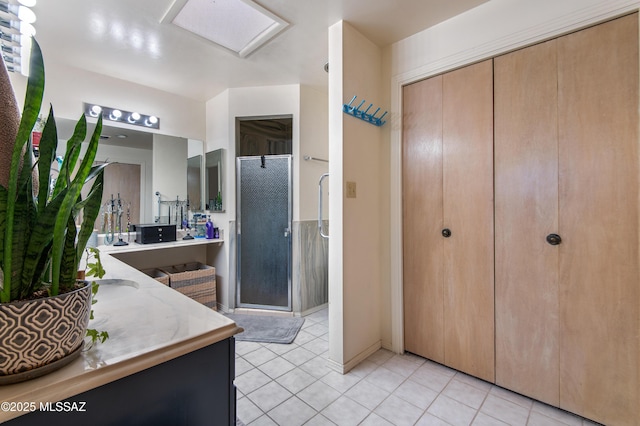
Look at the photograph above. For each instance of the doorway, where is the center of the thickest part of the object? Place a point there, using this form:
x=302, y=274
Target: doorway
x=264, y=213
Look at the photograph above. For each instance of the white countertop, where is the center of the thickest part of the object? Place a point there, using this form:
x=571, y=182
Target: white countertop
x=148, y=323
x=135, y=247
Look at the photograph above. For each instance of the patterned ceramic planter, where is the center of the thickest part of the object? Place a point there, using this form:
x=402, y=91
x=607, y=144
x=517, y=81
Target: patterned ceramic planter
x=42, y=335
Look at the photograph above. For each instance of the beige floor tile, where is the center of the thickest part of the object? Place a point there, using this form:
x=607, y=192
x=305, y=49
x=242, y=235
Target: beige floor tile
x=340, y=382
x=430, y=420
x=292, y=412
x=269, y=396
x=485, y=420
x=318, y=395
x=385, y=379
x=432, y=378
x=345, y=412
x=296, y=380
x=401, y=365
x=398, y=411
x=319, y=420
x=416, y=394
x=276, y=367
x=247, y=411
x=452, y=411
x=507, y=411
x=467, y=394
x=375, y=420
x=259, y=356
x=560, y=415
x=367, y=394
x=384, y=389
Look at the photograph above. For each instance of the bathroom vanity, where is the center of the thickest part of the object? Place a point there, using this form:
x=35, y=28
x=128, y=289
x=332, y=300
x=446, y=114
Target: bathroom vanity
x=168, y=360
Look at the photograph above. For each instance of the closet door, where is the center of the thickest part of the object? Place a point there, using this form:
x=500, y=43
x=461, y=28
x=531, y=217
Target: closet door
x=526, y=211
x=422, y=219
x=467, y=157
x=566, y=152
x=599, y=297
x=448, y=219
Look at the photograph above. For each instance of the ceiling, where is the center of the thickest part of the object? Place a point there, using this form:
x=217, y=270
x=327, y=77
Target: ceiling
x=125, y=39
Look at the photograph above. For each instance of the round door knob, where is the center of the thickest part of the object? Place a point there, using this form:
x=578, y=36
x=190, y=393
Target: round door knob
x=446, y=232
x=554, y=239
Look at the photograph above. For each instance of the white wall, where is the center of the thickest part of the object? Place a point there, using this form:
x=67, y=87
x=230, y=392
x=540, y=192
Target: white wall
x=314, y=142
x=66, y=88
x=170, y=165
x=355, y=148
x=493, y=28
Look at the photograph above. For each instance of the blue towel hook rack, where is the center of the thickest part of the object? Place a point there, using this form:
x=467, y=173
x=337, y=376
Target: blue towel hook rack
x=364, y=115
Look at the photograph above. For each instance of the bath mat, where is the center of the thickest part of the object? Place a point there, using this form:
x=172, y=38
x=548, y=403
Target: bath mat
x=267, y=329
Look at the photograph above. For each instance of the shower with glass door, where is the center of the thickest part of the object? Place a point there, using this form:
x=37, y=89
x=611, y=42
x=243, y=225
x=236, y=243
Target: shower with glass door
x=264, y=212
x=264, y=232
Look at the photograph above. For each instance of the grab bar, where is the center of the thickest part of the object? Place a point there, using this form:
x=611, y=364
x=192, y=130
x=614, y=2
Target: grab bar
x=322, y=234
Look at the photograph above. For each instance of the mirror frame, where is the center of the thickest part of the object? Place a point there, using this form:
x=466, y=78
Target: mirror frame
x=214, y=163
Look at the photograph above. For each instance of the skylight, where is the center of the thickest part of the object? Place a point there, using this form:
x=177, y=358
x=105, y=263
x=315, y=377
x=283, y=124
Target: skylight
x=241, y=26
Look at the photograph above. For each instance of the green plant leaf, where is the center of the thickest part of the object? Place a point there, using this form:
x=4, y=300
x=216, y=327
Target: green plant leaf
x=31, y=109
x=58, y=254
x=21, y=233
x=48, y=146
x=90, y=211
x=72, y=153
x=40, y=240
x=68, y=269
x=94, y=269
x=3, y=219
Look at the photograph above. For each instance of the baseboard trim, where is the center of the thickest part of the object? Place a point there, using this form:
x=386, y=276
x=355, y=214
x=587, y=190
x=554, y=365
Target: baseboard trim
x=313, y=310
x=345, y=368
x=266, y=312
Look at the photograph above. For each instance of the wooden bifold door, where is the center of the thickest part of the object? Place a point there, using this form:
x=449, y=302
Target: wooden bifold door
x=566, y=184
x=541, y=172
x=448, y=219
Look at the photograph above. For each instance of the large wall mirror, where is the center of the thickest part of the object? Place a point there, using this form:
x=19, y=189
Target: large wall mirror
x=215, y=201
x=143, y=171
x=195, y=188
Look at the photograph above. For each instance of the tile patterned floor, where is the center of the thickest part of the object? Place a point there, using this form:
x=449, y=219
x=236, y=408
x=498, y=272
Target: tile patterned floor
x=291, y=385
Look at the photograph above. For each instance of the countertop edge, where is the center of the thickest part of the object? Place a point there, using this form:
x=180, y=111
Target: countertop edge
x=110, y=373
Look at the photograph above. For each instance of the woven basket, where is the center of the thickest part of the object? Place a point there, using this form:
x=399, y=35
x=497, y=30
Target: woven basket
x=195, y=280
x=157, y=275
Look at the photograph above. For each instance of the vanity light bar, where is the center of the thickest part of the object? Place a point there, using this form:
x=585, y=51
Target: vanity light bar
x=121, y=116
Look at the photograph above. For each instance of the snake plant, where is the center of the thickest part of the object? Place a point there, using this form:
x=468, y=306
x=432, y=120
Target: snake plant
x=40, y=242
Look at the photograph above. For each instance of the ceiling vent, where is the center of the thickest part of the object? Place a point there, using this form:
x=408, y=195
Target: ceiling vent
x=240, y=26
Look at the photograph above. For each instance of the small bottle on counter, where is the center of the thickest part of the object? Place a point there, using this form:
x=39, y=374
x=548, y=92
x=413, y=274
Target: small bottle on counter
x=209, y=228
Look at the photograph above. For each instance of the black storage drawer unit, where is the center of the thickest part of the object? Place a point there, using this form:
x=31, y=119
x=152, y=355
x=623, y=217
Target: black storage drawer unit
x=155, y=233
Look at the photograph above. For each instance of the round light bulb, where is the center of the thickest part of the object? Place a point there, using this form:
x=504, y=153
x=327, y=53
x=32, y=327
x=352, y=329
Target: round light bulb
x=27, y=29
x=26, y=15
x=95, y=110
x=133, y=117
x=115, y=114
x=153, y=119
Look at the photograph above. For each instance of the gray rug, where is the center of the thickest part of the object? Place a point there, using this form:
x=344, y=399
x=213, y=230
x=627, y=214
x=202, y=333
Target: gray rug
x=267, y=329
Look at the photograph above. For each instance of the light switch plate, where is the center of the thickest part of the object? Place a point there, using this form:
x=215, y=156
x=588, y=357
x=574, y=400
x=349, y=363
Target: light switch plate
x=351, y=190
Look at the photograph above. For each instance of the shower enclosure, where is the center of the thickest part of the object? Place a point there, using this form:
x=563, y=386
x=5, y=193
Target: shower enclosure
x=264, y=206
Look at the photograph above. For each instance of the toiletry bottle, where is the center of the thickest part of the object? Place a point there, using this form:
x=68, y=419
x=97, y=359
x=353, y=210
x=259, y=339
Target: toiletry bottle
x=209, y=227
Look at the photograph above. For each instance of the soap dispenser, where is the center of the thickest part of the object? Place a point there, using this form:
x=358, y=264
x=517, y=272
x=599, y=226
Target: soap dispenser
x=209, y=227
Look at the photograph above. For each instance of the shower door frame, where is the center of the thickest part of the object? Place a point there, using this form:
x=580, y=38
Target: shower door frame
x=288, y=231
